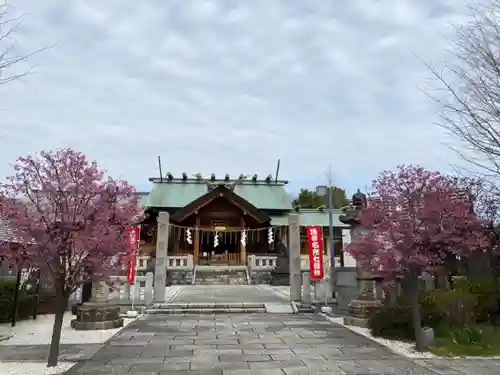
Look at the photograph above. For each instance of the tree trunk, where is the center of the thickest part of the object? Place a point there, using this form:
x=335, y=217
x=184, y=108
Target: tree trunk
x=62, y=303
x=412, y=290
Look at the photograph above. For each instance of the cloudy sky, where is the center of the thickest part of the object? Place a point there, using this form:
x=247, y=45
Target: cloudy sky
x=228, y=86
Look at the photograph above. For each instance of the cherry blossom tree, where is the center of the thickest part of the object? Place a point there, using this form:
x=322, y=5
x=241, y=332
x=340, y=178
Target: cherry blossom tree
x=69, y=219
x=414, y=220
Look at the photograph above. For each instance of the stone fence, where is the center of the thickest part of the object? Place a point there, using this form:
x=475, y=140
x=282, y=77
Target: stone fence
x=255, y=262
x=268, y=262
x=141, y=291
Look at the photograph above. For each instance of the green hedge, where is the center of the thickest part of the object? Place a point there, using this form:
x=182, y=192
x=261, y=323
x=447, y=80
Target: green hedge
x=396, y=322
x=25, y=302
x=467, y=302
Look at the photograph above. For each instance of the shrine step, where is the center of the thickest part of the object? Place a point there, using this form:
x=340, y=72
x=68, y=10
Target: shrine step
x=301, y=309
x=221, y=275
x=206, y=308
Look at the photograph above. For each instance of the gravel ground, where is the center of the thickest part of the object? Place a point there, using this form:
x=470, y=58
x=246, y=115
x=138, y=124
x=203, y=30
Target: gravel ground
x=37, y=333
x=33, y=368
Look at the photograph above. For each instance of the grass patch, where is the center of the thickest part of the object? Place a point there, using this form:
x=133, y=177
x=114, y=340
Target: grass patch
x=474, y=341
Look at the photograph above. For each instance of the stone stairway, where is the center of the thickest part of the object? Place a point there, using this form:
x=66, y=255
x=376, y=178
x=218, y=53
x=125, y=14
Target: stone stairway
x=302, y=309
x=206, y=308
x=221, y=275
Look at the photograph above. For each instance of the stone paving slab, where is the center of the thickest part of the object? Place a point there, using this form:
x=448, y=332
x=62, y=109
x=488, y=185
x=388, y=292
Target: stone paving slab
x=237, y=345
x=267, y=344
x=39, y=353
x=225, y=294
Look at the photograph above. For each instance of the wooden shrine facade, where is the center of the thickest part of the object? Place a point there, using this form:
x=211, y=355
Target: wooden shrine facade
x=221, y=227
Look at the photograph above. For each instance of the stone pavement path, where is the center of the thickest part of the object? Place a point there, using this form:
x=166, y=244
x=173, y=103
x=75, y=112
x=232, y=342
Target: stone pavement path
x=225, y=294
x=39, y=353
x=269, y=344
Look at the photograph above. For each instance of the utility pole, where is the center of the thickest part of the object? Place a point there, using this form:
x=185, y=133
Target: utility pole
x=331, y=251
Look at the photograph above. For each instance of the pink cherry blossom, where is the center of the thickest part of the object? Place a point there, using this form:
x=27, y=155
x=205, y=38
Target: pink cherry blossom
x=414, y=219
x=64, y=216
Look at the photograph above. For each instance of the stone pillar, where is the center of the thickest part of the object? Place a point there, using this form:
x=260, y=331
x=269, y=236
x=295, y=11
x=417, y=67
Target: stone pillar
x=306, y=288
x=294, y=250
x=160, y=277
x=100, y=292
x=97, y=313
x=148, y=290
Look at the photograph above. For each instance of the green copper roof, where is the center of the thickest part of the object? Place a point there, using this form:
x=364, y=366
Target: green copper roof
x=317, y=217
x=264, y=196
x=279, y=220
x=311, y=217
x=143, y=199
x=175, y=194
x=178, y=193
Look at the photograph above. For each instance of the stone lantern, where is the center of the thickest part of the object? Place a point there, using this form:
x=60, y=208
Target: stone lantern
x=360, y=307
x=97, y=313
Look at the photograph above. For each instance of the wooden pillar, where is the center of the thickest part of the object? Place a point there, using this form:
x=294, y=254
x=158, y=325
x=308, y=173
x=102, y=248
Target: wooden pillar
x=243, y=249
x=196, y=248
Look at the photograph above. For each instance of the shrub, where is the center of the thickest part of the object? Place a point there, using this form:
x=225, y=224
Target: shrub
x=396, y=322
x=457, y=306
x=485, y=293
x=392, y=323
x=25, y=302
x=445, y=310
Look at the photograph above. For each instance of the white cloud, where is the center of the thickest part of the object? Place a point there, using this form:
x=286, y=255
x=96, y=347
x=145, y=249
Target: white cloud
x=218, y=86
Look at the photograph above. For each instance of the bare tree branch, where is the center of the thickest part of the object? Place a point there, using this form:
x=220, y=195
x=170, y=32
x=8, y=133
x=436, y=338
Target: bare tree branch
x=471, y=87
x=9, y=25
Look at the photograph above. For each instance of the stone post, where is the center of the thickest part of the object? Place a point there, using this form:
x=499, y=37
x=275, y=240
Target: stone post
x=294, y=249
x=126, y=291
x=148, y=290
x=160, y=277
x=306, y=288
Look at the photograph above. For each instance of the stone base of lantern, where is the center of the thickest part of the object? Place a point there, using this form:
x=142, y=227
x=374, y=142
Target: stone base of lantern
x=280, y=276
x=360, y=309
x=97, y=315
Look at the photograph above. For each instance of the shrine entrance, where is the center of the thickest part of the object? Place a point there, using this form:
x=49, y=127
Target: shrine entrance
x=216, y=223
x=221, y=248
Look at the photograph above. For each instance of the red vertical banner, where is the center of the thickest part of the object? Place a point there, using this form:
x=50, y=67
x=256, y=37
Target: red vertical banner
x=132, y=235
x=315, y=246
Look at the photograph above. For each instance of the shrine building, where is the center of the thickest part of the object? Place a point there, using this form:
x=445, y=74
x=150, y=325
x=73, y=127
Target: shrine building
x=231, y=221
